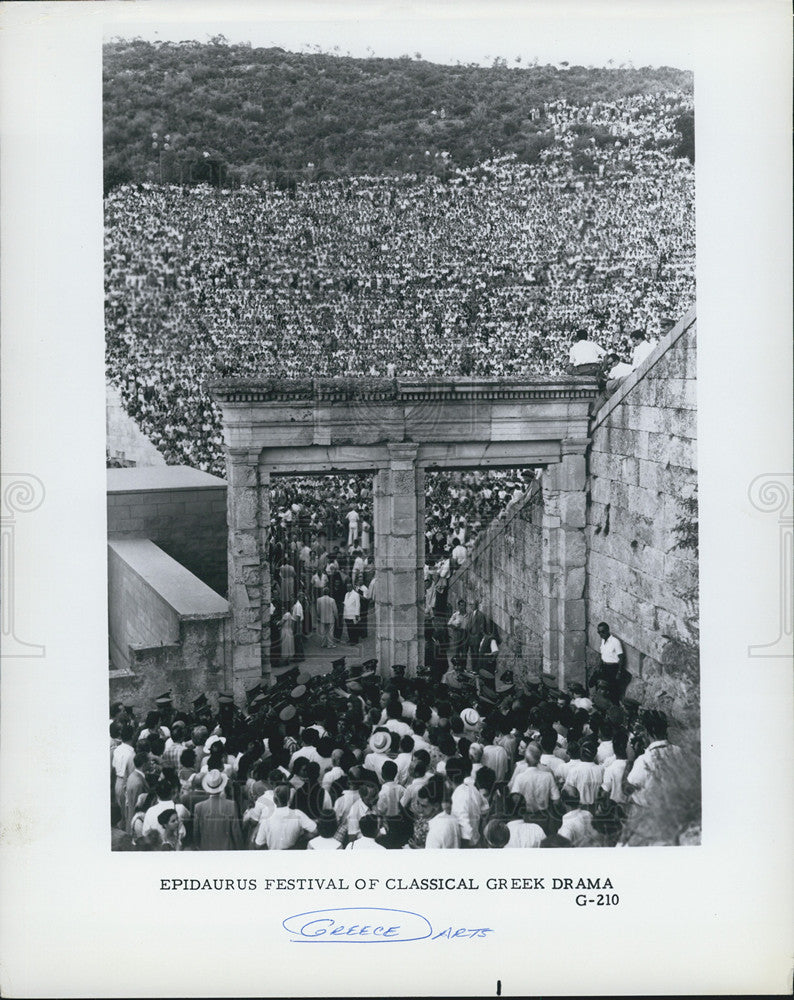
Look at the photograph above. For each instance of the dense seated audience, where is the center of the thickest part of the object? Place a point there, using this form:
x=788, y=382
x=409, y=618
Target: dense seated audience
x=360, y=763
x=330, y=279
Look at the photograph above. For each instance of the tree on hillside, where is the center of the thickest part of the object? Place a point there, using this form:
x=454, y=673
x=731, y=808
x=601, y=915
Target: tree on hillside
x=351, y=115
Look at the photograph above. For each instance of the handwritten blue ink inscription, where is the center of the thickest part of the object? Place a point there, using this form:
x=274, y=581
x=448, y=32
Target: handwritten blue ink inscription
x=369, y=925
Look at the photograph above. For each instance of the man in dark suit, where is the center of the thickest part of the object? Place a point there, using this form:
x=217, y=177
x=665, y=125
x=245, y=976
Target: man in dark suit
x=474, y=634
x=216, y=826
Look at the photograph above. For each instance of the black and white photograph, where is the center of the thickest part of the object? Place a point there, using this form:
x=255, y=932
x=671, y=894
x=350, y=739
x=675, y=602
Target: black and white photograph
x=402, y=426
x=396, y=458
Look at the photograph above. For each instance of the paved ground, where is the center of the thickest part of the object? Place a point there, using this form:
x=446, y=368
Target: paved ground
x=318, y=659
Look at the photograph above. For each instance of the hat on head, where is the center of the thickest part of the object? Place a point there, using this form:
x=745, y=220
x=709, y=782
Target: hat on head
x=338, y=664
x=163, y=699
x=486, y=675
x=259, y=700
x=200, y=702
x=214, y=782
x=297, y=693
x=631, y=703
x=287, y=713
x=470, y=717
x=488, y=693
x=380, y=742
x=252, y=693
x=212, y=740
x=303, y=678
x=225, y=698
x=354, y=687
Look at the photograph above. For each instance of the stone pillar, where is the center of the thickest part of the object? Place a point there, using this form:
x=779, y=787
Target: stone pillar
x=564, y=561
x=399, y=560
x=248, y=515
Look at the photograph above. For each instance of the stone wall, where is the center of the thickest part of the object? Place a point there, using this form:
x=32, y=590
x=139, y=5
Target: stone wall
x=503, y=572
x=642, y=469
x=167, y=628
x=138, y=613
x=183, y=510
x=199, y=662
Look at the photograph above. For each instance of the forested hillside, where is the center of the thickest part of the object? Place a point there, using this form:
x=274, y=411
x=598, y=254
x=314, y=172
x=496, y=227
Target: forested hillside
x=225, y=114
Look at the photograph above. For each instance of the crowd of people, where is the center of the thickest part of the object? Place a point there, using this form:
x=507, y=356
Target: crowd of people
x=322, y=537
x=489, y=272
x=497, y=270
x=352, y=761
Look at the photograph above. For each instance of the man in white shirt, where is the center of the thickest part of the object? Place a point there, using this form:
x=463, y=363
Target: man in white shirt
x=467, y=802
x=524, y=832
x=418, y=778
x=123, y=764
x=642, y=348
x=536, y=784
x=616, y=368
x=443, y=832
x=351, y=612
x=358, y=568
x=297, y=614
x=577, y=824
x=368, y=826
x=459, y=552
x=283, y=828
x=613, y=661
x=585, y=356
x=585, y=775
x=325, y=839
x=165, y=800
x=612, y=783
x=352, y=526
x=366, y=802
x=649, y=769
x=494, y=755
x=335, y=771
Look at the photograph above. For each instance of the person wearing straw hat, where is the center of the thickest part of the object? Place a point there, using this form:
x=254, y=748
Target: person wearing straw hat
x=216, y=826
x=471, y=722
x=380, y=743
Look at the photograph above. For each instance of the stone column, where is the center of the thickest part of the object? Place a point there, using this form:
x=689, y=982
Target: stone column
x=248, y=515
x=564, y=561
x=399, y=560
